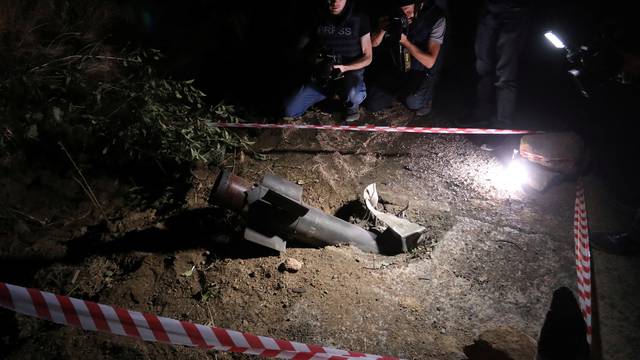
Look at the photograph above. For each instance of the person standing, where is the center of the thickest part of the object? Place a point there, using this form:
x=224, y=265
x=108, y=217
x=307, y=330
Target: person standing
x=499, y=41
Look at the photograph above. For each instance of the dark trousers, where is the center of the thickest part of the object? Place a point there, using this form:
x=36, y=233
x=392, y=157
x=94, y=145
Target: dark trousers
x=414, y=89
x=498, y=43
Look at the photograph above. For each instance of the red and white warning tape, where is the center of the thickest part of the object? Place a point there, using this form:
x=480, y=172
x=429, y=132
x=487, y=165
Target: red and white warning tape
x=532, y=157
x=583, y=258
x=539, y=158
x=88, y=315
x=374, y=128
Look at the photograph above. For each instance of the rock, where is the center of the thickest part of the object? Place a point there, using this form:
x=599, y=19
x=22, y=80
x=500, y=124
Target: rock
x=562, y=152
x=161, y=226
x=502, y=343
x=291, y=265
x=540, y=178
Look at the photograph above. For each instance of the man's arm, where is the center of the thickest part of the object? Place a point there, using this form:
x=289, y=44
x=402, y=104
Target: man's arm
x=426, y=58
x=429, y=56
x=378, y=35
x=364, y=60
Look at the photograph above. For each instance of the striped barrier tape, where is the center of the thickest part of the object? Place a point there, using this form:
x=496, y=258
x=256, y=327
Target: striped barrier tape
x=532, y=157
x=374, y=128
x=539, y=158
x=88, y=315
x=583, y=258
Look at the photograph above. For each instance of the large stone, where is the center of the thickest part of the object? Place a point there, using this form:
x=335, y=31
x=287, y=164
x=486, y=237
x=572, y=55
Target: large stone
x=562, y=152
x=503, y=344
x=540, y=177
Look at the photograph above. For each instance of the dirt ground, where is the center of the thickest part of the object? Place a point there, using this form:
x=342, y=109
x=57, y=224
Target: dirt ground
x=489, y=259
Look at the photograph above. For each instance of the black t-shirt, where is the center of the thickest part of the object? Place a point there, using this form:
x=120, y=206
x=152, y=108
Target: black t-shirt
x=341, y=34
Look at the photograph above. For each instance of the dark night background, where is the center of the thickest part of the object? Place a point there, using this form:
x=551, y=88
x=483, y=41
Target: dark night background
x=245, y=54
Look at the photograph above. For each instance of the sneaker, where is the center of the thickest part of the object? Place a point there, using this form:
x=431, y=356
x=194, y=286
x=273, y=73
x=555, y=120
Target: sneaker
x=351, y=115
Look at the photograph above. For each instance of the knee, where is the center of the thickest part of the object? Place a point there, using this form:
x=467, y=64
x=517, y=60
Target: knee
x=291, y=112
x=357, y=96
x=292, y=108
x=357, y=93
x=483, y=67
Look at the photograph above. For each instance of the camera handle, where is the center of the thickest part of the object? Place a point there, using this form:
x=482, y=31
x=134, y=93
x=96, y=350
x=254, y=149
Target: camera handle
x=575, y=74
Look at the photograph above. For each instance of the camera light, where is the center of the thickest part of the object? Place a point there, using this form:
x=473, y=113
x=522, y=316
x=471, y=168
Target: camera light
x=554, y=40
x=516, y=175
x=512, y=177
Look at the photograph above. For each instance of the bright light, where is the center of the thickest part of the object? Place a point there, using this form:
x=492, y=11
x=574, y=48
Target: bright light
x=516, y=174
x=554, y=40
x=512, y=177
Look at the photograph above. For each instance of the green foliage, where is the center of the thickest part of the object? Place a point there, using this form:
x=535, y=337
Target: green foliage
x=114, y=106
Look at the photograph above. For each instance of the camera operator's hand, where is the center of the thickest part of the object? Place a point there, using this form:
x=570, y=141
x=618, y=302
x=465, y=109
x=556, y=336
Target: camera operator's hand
x=404, y=40
x=341, y=68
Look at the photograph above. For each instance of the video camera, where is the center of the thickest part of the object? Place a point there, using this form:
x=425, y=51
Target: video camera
x=323, y=68
x=590, y=66
x=398, y=25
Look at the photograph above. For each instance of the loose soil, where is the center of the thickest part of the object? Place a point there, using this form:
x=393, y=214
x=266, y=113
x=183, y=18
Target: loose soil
x=490, y=258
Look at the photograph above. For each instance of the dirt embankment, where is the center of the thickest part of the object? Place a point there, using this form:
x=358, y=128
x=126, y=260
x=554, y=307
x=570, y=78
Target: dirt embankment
x=489, y=259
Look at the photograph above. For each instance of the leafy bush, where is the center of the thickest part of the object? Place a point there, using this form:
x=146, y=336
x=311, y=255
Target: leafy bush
x=103, y=102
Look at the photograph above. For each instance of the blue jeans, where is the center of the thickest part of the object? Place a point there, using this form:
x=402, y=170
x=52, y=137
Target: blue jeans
x=350, y=89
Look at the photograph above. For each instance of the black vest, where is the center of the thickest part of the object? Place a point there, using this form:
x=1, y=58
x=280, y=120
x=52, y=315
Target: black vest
x=420, y=32
x=340, y=35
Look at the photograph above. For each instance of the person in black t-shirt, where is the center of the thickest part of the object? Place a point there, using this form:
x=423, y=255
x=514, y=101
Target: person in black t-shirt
x=343, y=36
x=407, y=56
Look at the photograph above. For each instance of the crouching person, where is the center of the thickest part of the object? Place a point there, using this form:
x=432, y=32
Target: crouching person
x=407, y=47
x=342, y=41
